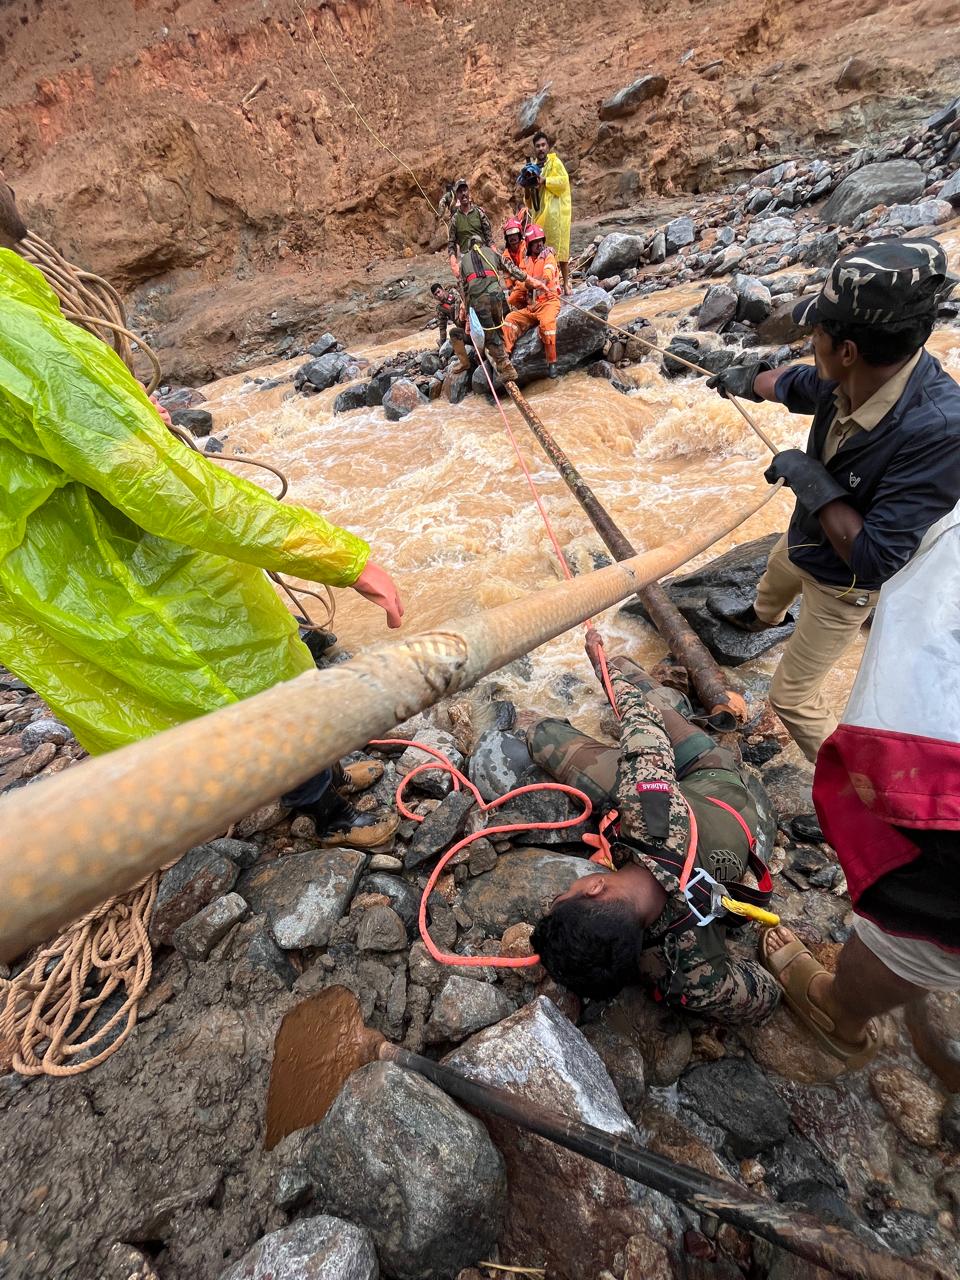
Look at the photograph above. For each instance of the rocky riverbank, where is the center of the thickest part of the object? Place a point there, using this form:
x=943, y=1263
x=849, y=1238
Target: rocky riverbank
x=153, y=1164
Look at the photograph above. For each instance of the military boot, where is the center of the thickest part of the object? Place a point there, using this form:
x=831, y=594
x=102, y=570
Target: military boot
x=460, y=351
x=352, y=778
x=346, y=826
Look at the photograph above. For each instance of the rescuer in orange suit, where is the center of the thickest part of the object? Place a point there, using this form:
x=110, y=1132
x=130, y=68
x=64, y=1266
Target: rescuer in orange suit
x=543, y=288
x=516, y=252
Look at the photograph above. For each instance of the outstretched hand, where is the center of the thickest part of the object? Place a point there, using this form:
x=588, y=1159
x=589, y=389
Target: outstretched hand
x=376, y=585
x=593, y=643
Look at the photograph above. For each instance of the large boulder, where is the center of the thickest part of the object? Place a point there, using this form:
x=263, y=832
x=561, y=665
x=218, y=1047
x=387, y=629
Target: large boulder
x=626, y=100
x=718, y=308
x=616, y=253
x=925, y=213
x=402, y=398
x=579, y=338
x=780, y=327
x=395, y=1155
x=563, y=1211
x=528, y=117
x=520, y=888
x=737, y=1097
x=199, y=422
x=725, y=585
x=754, y=301
x=678, y=233
x=324, y=372
x=303, y=895
x=889, y=182
x=321, y=1248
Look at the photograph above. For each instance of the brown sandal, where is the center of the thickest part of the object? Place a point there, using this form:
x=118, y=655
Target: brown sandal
x=794, y=968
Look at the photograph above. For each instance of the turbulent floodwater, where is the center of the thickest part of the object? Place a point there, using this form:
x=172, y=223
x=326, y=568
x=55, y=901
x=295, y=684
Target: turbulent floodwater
x=443, y=503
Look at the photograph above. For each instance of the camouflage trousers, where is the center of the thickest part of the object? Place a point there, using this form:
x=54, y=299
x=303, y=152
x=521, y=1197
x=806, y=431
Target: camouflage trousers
x=696, y=967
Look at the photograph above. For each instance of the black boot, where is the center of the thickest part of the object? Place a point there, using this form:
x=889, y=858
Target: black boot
x=747, y=620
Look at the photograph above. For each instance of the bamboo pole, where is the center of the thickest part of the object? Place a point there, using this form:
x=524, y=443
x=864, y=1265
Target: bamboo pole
x=95, y=831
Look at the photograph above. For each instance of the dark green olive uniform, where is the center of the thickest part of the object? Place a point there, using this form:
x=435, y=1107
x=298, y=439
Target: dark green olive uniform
x=664, y=764
x=480, y=270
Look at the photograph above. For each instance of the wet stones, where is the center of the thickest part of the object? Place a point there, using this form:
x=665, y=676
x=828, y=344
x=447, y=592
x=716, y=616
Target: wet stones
x=951, y=190
x=754, y=301
x=889, y=182
x=199, y=422
x=381, y=929
x=324, y=344
x=303, y=895
x=736, y=1097
x=678, y=233
x=201, y=875
x=617, y=252
x=926, y=213
x=434, y=782
x=402, y=398
x=498, y=762
x=662, y=1037
x=909, y=1103
x=719, y=306
x=398, y=1157
x=520, y=888
x=439, y=829
x=628, y=99
x=464, y=1005
x=540, y=1054
x=197, y=937
x=320, y=1248
x=318, y=375
x=352, y=398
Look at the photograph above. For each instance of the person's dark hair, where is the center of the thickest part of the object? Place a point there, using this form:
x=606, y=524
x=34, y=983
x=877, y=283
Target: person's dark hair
x=436, y=288
x=883, y=344
x=590, y=947
x=538, y=135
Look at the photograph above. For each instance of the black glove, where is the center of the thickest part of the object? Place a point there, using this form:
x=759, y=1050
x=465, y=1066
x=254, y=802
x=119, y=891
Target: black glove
x=738, y=379
x=809, y=479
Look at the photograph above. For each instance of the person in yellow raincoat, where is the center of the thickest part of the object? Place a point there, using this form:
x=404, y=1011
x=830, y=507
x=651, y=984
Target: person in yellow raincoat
x=554, y=208
x=132, y=591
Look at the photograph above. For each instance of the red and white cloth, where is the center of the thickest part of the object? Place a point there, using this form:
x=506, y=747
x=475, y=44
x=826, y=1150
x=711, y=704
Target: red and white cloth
x=894, y=761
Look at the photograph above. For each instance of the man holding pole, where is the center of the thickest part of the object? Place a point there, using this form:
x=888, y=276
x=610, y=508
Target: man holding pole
x=882, y=462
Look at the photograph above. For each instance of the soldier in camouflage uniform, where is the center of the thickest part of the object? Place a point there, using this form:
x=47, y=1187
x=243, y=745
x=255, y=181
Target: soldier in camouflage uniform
x=635, y=925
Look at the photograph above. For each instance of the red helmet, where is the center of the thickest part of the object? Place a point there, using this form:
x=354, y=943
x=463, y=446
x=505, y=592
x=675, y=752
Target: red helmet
x=511, y=227
x=533, y=232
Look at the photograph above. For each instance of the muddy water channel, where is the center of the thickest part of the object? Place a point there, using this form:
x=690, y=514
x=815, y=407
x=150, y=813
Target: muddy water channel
x=445, y=507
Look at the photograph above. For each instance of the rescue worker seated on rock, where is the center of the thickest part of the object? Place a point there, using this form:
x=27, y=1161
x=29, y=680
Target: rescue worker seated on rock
x=541, y=303
x=479, y=271
x=448, y=309
x=468, y=220
x=671, y=785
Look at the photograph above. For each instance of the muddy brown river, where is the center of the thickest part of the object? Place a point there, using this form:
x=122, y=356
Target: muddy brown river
x=445, y=507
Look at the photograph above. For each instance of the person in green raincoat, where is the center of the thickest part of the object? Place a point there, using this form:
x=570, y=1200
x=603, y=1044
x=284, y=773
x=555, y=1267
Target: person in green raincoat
x=553, y=211
x=132, y=588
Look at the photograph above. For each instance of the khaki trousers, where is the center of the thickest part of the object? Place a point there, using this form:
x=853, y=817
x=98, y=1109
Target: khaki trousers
x=830, y=619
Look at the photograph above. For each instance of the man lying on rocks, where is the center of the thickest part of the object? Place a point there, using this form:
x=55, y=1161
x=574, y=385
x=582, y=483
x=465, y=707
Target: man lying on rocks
x=672, y=785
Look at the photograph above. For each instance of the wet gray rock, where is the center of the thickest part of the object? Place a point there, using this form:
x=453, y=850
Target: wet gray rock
x=719, y=306
x=926, y=213
x=439, y=829
x=737, y=1097
x=44, y=730
x=325, y=343
x=435, y=782
x=628, y=99
x=403, y=397
x=199, y=422
x=197, y=937
x=780, y=326
x=321, y=1248
x=623, y=1059
x=677, y=233
x=520, y=887
x=381, y=929
x=498, y=762
x=319, y=374
x=243, y=852
x=950, y=1122
x=254, y=959
x=430, y=363
x=201, y=875
x=528, y=116
x=351, y=398
x=464, y=1005
x=789, y=787
x=403, y=897
x=379, y=385
x=658, y=248
x=551, y=1214
x=617, y=252
x=303, y=895
x=725, y=585
x=661, y=1036
x=951, y=189
x=404, y=1161
x=693, y=349
x=774, y=230
x=946, y=115
x=542, y=806
x=456, y=385
x=754, y=301
x=889, y=182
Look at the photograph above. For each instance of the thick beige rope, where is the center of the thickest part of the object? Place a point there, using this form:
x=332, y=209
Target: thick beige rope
x=48, y=1010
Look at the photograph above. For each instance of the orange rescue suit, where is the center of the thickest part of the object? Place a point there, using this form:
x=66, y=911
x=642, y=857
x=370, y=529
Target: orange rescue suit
x=542, y=306
x=516, y=291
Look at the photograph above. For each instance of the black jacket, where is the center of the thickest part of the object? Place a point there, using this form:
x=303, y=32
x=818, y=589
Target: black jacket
x=902, y=476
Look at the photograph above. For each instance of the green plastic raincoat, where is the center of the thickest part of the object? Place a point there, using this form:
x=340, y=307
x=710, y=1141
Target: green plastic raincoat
x=132, y=592
x=555, y=210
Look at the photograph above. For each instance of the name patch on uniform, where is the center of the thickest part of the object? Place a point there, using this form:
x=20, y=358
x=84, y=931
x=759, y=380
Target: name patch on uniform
x=654, y=786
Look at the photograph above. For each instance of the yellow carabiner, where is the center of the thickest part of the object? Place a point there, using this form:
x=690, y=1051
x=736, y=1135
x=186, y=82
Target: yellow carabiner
x=767, y=918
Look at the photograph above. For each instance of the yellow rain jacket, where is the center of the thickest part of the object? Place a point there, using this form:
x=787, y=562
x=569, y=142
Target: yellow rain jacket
x=132, y=592
x=554, y=211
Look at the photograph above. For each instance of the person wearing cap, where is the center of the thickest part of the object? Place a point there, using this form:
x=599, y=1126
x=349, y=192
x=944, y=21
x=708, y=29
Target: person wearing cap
x=542, y=300
x=445, y=204
x=468, y=220
x=881, y=465
x=479, y=274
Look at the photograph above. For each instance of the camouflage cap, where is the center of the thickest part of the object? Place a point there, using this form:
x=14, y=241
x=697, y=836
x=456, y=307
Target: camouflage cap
x=882, y=283
x=460, y=182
